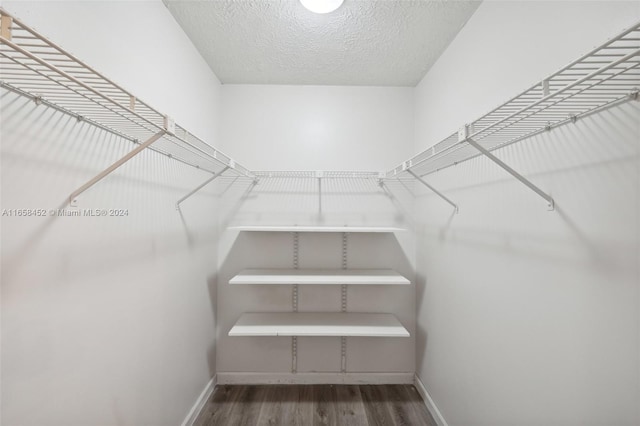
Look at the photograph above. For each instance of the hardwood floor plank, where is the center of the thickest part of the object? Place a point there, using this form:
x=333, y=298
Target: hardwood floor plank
x=298, y=409
x=247, y=410
x=412, y=396
x=375, y=406
x=219, y=406
x=401, y=408
x=280, y=407
x=349, y=406
x=311, y=405
x=271, y=407
x=324, y=400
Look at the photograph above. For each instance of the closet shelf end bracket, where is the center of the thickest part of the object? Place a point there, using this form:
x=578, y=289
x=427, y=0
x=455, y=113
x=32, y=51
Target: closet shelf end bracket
x=72, y=197
x=463, y=138
x=202, y=185
x=438, y=193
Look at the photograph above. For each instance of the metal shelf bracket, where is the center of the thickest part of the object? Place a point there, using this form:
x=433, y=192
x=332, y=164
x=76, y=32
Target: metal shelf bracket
x=202, y=185
x=343, y=303
x=463, y=138
x=319, y=175
x=294, y=302
x=169, y=125
x=438, y=193
x=72, y=197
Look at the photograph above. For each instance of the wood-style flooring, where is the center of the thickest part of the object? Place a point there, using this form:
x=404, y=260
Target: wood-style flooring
x=302, y=405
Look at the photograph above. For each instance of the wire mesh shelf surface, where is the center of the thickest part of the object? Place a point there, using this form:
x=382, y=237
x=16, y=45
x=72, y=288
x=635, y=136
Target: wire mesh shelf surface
x=607, y=75
x=33, y=66
x=322, y=174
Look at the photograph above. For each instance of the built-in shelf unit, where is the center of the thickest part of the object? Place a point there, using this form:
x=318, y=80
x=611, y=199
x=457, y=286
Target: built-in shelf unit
x=341, y=323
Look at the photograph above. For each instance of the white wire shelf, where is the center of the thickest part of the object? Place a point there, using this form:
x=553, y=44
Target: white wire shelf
x=607, y=75
x=33, y=66
x=319, y=277
x=284, y=228
x=320, y=174
x=318, y=324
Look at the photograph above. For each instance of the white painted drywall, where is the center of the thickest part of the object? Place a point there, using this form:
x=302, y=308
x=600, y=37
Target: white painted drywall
x=313, y=127
x=527, y=316
x=317, y=127
x=107, y=320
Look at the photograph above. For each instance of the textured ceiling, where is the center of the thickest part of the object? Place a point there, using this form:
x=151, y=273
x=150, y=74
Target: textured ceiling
x=364, y=42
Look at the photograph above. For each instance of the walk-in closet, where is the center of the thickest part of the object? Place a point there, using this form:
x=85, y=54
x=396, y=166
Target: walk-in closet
x=320, y=212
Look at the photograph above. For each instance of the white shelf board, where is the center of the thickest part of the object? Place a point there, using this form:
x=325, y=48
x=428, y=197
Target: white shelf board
x=320, y=276
x=317, y=229
x=349, y=324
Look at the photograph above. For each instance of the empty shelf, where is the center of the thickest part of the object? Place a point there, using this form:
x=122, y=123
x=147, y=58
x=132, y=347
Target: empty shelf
x=319, y=276
x=318, y=324
x=316, y=229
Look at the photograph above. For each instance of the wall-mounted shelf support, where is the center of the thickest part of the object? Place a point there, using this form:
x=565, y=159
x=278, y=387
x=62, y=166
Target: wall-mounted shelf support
x=112, y=167
x=343, y=304
x=199, y=187
x=512, y=172
x=319, y=176
x=294, y=303
x=438, y=193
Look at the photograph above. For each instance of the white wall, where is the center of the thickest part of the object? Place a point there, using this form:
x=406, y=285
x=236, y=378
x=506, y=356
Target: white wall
x=317, y=127
x=527, y=316
x=107, y=320
x=326, y=128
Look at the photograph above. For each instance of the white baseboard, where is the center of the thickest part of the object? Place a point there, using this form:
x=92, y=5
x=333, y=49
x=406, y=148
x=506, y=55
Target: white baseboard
x=428, y=401
x=200, y=402
x=242, y=378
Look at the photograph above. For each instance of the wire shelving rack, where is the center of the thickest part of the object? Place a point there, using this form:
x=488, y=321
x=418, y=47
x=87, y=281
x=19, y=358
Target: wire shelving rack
x=607, y=75
x=37, y=68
